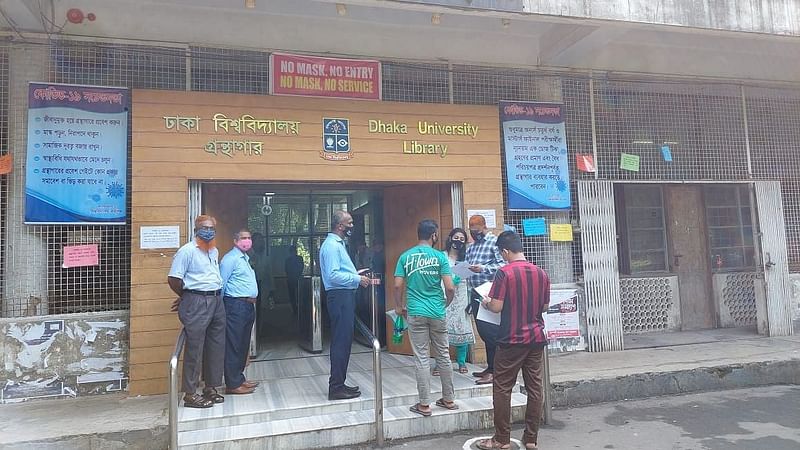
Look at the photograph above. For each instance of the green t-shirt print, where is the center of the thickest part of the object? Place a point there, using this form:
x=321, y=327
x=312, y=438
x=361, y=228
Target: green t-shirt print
x=422, y=267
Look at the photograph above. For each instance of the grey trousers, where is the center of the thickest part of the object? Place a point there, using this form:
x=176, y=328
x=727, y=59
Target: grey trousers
x=422, y=332
x=203, y=317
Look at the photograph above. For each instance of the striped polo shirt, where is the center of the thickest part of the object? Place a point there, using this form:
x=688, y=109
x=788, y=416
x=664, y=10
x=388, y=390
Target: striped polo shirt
x=524, y=289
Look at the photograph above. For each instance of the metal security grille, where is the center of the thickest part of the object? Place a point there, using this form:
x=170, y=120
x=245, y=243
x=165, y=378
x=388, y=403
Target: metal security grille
x=703, y=124
x=773, y=117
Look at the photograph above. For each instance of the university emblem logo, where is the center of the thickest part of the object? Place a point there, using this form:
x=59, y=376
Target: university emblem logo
x=336, y=139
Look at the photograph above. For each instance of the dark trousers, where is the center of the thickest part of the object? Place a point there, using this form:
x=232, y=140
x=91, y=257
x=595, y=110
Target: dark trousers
x=203, y=318
x=240, y=315
x=342, y=310
x=508, y=362
x=488, y=333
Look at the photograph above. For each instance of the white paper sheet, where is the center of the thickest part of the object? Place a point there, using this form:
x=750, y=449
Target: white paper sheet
x=483, y=313
x=461, y=269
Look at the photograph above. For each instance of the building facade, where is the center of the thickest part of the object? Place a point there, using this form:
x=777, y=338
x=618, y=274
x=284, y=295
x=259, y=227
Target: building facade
x=703, y=232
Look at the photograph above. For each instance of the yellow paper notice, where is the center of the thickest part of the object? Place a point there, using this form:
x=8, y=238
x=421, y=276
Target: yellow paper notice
x=561, y=232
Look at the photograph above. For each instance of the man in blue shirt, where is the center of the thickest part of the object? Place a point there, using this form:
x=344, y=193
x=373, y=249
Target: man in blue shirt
x=341, y=280
x=240, y=289
x=195, y=277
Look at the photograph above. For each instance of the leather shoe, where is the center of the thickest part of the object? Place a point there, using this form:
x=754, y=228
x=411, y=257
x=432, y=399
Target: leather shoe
x=480, y=374
x=240, y=390
x=351, y=388
x=343, y=395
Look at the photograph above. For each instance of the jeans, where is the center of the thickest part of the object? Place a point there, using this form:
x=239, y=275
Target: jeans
x=342, y=312
x=240, y=315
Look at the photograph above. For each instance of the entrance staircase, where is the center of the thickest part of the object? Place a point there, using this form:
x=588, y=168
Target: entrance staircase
x=290, y=409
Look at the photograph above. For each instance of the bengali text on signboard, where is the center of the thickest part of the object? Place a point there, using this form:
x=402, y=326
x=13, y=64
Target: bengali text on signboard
x=77, y=158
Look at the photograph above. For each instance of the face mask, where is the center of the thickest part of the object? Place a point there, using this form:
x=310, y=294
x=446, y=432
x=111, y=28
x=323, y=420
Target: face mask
x=206, y=235
x=476, y=235
x=458, y=245
x=244, y=244
x=348, y=231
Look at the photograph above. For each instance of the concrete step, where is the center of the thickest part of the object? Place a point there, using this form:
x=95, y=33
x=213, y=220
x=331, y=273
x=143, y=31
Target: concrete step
x=288, y=398
x=356, y=427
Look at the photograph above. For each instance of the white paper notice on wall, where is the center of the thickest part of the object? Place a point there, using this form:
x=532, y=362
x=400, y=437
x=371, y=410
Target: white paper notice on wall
x=489, y=214
x=160, y=237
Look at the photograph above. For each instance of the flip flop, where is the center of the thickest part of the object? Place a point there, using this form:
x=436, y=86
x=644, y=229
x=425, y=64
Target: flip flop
x=415, y=409
x=452, y=406
x=462, y=369
x=491, y=444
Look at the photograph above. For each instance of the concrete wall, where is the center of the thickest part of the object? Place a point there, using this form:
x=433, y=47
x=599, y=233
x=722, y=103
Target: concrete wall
x=765, y=16
x=735, y=299
x=63, y=356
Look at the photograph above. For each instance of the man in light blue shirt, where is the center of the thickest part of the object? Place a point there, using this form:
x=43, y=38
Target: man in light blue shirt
x=195, y=277
x=240, y=290
x=341, y=280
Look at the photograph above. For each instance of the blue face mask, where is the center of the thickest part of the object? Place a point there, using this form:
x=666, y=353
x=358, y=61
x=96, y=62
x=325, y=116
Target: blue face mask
x=206, y=234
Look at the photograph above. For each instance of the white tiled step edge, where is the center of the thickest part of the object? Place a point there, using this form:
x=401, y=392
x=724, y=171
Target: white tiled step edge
x=352, y=428
x=323, y=407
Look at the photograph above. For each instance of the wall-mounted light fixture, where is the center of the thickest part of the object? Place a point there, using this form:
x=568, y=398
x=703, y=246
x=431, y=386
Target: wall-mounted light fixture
x=436, y=19
x=341, y=9
x=250, y=4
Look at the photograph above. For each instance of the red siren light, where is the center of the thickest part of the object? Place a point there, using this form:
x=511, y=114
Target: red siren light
x=75, y=15
x=90, y=17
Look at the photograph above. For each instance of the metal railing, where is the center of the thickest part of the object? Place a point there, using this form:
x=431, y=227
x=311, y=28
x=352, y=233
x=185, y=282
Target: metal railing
x=377, y=371
x=173, y=391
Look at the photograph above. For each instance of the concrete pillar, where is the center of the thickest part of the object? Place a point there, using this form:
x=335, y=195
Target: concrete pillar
x=558, y=255
x=24, y=246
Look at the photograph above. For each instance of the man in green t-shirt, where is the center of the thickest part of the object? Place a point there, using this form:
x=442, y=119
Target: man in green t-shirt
x=422, y=270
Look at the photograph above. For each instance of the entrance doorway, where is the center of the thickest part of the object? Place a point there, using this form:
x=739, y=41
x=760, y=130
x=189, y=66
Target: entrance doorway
x=289, y=222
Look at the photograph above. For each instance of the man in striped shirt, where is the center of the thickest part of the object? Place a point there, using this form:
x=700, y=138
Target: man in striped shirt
x=520, y=293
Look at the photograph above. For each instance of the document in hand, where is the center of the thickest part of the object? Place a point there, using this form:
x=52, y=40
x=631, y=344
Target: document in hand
x=461, y=269
x=483, y=313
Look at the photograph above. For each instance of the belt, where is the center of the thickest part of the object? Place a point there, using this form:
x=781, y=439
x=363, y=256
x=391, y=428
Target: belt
x=205, y=293
x=247, y=299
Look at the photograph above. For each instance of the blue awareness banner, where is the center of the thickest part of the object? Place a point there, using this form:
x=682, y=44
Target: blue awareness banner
x=535, y=148
x=77, y=155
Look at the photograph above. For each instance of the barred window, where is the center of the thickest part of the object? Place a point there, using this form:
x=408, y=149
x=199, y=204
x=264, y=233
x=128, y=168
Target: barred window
x=729, y=227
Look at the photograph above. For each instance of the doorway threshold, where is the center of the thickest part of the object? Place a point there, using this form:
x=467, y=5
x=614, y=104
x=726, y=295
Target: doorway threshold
x=675, y=338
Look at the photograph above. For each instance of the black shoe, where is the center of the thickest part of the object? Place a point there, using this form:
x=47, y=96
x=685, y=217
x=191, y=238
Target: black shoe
x=481, y=373
x=351, y=388
x=343, y=395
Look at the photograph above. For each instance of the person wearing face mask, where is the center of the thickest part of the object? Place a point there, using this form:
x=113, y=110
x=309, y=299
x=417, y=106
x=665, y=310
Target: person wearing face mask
x=196, y=278
x=239, y=290
x=420, y=274
x=340, y=280
x=459, y=327
x=484, y=259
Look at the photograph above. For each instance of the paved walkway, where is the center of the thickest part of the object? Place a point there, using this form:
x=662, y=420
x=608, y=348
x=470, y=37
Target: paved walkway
x=116, y=421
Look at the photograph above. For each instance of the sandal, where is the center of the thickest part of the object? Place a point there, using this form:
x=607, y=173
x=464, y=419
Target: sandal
x=491, y=444
x=435, y=372
x=451, y=405
x=463, y=368
x=416, y=409
x=196, y=401
x=213, y=395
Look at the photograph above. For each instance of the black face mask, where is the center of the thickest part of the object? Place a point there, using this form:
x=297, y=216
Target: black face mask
x=476, y=235
x=458, y=245
x=348, y=232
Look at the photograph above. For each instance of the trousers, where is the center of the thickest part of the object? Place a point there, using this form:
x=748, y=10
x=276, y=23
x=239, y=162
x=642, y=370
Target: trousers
x=342, y=312
x=239, y=318
x=203, y=318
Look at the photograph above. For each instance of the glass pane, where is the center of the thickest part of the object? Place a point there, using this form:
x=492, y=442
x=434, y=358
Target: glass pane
x=648, y=196
x=749, y=257
x=725, y=237
x=720, y=196
x=747, y=233
x=645, y=218
x=280, y=249
x=726, y=217
x=646, y=240
x=647, y=261
x=727, y=258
